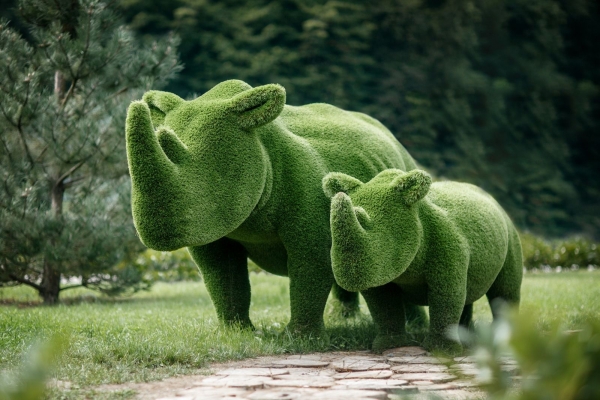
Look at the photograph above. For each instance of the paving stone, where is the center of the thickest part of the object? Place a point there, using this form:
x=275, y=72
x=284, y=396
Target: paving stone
x=421, y=383
x=420, y=368
x=299, y=363
x=437, y=386
x=349, y=364
x=296, y=377
x=375, y=358
x=354, y=394
x=378, y=384
x=212, y=392
x=269, y=394
x=308, y=382
x=418, y=360
x=376, y=374
x=314, y=357
x=409, y=351
x=438, y=377
x=235, y=381
x=252, y=372
x=310, y=371
x=343, y=376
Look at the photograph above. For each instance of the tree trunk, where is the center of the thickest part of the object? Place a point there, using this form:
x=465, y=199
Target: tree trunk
x=50, y=286
x=58, y=192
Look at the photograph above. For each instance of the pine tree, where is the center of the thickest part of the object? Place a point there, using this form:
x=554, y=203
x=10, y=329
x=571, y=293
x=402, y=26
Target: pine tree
x=64, y=190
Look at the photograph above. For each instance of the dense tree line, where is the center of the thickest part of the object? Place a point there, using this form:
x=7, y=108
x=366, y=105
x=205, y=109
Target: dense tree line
x=500, y=93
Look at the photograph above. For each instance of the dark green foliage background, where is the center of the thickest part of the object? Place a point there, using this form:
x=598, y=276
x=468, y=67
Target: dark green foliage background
x=499, y=93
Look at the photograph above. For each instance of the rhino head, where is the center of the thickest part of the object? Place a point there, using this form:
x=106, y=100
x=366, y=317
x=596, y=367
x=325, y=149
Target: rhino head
x=198, y=168
x=375, y=226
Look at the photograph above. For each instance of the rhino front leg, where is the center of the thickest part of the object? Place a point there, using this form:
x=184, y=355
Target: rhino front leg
x=387, y=310
x=224, y=268
x=445, y=310
x=309, y=289
x=311, y=280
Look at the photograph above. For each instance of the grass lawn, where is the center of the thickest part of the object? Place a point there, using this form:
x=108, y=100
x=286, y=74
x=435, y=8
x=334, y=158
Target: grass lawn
x=173, y=329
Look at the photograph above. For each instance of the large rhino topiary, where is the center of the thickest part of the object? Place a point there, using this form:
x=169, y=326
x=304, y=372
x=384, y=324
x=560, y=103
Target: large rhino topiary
x=236, y=173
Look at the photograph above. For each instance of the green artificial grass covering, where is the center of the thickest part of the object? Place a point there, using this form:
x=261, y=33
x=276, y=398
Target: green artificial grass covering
x=236, y=173
x=399, y=238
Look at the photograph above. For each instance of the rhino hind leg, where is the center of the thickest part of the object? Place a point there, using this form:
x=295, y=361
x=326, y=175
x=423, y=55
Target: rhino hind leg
x=345, y=303
x=416, y=317
x=506, y=289
x=466, y=318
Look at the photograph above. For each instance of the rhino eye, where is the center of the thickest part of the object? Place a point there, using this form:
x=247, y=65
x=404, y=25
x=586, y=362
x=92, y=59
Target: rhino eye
x=363, y=218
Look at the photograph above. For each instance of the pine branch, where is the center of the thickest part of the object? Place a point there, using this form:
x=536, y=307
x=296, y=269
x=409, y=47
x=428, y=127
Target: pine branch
x=64, y=176
x=25, y=282
x=71, y=287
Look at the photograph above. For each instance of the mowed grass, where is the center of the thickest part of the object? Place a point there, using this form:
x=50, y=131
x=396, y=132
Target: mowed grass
x=173, y=329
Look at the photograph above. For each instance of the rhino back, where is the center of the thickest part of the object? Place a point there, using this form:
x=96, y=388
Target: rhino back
x=349, y=142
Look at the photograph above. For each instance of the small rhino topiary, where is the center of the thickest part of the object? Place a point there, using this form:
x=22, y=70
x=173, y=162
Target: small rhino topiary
x=399, y=238
x=236, y=174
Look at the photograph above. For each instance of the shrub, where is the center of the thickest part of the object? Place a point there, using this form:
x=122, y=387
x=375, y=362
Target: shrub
x=574, y=252
x=167, y=266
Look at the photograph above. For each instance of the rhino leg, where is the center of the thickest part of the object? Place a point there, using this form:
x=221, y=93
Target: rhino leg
x=224, y=269
x=310, y=283
x=387, y=310
x=445, y=310
x=507, y=286
x=345, y=302
x=311, y=279
x=416, y=317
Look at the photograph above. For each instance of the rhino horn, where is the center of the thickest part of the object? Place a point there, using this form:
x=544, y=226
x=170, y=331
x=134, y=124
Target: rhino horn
x=349, y=244
x=151, y=172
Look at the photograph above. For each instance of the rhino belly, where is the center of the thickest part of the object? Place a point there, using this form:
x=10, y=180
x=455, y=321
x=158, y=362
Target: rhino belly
x=271, y=257
x=416, y=294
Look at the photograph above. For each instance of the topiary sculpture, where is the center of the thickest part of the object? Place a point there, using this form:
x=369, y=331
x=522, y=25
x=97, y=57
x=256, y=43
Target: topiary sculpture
x=399, y=238
x=236, y=173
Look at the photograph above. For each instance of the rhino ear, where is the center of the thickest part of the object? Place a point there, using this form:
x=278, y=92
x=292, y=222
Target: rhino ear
x=160, y=103
x=335, y=182
x=412, y=186
x=259, y=106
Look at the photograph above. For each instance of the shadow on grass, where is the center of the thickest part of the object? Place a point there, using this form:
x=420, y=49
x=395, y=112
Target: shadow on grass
x=87, y=299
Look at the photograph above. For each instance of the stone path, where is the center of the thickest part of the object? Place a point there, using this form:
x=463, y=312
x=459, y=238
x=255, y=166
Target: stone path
x=339, y=375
